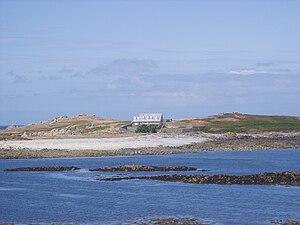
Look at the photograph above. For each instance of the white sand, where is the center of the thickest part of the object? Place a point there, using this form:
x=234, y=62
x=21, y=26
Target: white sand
x=102, y=143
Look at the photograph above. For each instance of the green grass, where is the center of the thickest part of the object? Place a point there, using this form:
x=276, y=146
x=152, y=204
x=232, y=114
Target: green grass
x=120, y=124
x=250, y=123
x=10, y=137
x=100, y=128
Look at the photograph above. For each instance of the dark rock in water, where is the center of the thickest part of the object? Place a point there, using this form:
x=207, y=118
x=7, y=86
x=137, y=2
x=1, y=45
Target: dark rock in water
x=47, y=168
x=137, y=168
x=167, y=221
x=280, y=178
x=121, y=178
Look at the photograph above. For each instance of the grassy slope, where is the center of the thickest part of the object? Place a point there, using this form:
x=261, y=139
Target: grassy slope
x=81, y=125
x=239, y=123
x=251, y=123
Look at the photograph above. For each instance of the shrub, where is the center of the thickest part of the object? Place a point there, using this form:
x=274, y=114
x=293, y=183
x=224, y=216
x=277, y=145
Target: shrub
x=143, y=128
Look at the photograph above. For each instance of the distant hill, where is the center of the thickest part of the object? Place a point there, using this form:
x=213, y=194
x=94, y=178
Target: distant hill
x=93, y=126
x=81, y=125
x=246, y=123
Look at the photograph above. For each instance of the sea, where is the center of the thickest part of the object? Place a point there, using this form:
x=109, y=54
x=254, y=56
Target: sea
x=77, y=197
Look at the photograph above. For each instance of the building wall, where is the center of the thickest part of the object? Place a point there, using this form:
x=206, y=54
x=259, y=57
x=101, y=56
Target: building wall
x=148, y=118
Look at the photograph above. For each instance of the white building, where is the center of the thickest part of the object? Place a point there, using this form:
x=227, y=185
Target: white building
x=148, y=118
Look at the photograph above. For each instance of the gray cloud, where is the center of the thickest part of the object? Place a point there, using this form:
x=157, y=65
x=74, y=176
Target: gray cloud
x=51, y=77
x=20, y=79
x=16, y=78
x=125, y=67
x=78, y=75
x=10, y=73
x=66, y=70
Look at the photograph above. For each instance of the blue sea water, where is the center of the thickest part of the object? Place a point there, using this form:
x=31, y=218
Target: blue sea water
x=76, y=197
x=2, y=127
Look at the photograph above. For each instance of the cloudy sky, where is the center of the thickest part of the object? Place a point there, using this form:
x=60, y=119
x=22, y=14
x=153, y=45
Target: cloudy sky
x=119, y=58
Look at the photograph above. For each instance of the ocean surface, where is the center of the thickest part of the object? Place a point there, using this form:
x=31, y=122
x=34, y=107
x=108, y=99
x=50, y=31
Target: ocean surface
x=2, y=127
x=76, y=197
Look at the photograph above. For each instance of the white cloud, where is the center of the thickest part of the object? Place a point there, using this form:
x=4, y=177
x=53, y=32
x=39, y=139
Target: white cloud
x=247, y=72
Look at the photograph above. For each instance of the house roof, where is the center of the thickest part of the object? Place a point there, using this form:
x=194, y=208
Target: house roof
x=148, y=117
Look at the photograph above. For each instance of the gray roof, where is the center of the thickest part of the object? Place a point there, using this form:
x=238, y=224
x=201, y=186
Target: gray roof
x=148, y=117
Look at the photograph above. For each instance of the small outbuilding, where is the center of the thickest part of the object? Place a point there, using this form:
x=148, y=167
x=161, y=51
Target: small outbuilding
x=148, y=118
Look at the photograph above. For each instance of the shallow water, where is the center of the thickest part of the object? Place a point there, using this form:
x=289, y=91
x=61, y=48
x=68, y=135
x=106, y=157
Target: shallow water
x=46, y=197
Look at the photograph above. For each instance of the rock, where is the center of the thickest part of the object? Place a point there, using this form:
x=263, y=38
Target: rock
x=90, y=126
x=12, y=127
x=136, y=168
x=48, y=168
x=280, y=178
x=167, y=221
x=25, y=134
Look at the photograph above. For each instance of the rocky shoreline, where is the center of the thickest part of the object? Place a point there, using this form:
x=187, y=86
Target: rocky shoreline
x=216, y=144
x=278, y=178
x=44, y=168
x=246, y=142
x=186, y=221
x=124, y=168
x=167, y=221
x=140, y=168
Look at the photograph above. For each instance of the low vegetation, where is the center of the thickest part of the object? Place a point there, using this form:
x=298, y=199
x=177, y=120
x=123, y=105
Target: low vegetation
x=88, y=125
x=233, y=122
x=143, y=128
x=100, y=128
x=11, y=137
x=85, y=125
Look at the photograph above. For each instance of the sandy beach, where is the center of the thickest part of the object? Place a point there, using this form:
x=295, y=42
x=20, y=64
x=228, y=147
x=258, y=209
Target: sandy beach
x=141, y=145
x=103, y=143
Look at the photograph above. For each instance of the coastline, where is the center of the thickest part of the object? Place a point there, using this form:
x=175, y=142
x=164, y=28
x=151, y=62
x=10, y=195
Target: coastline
x=239, y=143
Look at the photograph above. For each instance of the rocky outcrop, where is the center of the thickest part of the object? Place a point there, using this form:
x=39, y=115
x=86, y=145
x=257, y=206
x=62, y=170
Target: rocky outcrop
x=69, y=130
x=168, y=221
x=136, y=168
x=244, y=143
x=280, y=178
x=47, y=168
x=13, y=126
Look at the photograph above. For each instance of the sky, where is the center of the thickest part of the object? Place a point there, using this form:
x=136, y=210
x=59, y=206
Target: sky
x=119, y=58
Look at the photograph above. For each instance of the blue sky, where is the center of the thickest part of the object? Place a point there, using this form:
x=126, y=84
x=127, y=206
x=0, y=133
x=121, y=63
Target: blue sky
x=122, y=57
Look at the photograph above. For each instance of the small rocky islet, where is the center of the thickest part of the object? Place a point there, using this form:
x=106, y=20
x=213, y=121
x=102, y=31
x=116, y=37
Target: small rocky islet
x=291, y=178
x=186, y=221
x=167, y=221
x=124, y=168
x=43, y=168
x=141, y=168
x=278, y=178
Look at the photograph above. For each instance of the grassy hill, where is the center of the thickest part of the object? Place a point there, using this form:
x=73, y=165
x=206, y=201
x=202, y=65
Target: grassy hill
x=245, y=123
x=92, y=126
x=82, y=125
